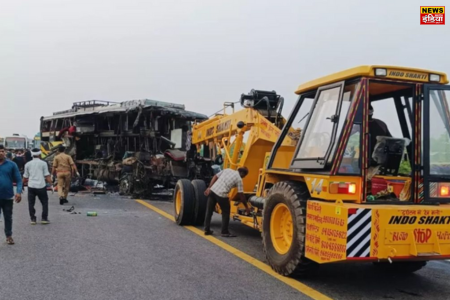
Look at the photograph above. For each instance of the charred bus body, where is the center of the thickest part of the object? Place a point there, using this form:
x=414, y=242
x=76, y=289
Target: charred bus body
x=135, y=144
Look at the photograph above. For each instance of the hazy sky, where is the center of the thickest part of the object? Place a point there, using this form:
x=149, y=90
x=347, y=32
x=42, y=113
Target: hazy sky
x=200, y=53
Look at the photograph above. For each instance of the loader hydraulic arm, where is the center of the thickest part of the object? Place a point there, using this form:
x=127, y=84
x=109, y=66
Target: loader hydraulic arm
x=243, y=137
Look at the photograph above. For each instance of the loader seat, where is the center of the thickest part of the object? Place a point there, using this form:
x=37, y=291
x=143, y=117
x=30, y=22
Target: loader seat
x=201, y=158
x=176, y=155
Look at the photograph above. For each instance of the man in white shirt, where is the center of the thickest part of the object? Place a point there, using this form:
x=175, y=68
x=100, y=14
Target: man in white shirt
x=36, y=174
x=218, y=191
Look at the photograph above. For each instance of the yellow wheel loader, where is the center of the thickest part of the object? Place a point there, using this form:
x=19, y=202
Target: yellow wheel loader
x=369, y=179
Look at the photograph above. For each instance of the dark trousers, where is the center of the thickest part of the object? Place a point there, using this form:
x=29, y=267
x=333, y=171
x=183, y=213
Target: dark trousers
x=224, y=204
x=6, y=206
x=43, y=197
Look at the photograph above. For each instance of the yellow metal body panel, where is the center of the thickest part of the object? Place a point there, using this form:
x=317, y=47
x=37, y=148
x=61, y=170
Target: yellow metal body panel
x=222, y=131
x=345, y=232
x=318, y=185
x=47, y=146
x=326, y=232
x=393, y=72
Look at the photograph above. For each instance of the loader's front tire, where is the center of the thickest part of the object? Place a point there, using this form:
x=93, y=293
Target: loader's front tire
x=184, y=202
x=284, y=229
x=402, y=267
x=200, y=201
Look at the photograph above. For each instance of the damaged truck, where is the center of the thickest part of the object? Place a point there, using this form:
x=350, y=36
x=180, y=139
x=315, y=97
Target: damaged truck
x=134, y=145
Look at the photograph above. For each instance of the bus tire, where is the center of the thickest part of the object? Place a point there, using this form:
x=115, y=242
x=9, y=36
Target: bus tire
x=184, y=202
x=284, y=229
x=200, y=201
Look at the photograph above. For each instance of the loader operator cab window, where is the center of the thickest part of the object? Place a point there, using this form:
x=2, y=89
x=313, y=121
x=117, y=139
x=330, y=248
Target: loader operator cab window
x=377, y=128
x=300, y=120
x=320, y=128
x=439, y=138
x=390, y=118
x=351, y=161
x=389, y=131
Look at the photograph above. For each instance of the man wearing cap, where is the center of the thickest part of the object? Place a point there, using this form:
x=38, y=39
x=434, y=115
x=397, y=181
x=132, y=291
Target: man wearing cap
x=218, y=191
x=37, y=175
x=65, y=167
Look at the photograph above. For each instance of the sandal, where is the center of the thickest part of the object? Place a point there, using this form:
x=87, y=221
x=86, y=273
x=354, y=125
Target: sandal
x=10, y=241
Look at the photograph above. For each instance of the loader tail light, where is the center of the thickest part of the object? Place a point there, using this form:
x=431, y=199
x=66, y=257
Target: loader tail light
x=342, y=188
x=352, y=188
x=444, y=191
x=352, y=211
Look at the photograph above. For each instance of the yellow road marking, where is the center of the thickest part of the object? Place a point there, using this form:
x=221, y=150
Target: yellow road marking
x=301, y=287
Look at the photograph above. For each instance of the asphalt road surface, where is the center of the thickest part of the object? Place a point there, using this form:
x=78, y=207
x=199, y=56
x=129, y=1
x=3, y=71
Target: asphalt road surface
x=130, y=251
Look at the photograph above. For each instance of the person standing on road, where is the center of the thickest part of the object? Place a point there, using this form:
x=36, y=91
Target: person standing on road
x=19, y=159
x=37, y=174
x=9, y=173
x=28, y=156
x=218, y=191
x=65, y=167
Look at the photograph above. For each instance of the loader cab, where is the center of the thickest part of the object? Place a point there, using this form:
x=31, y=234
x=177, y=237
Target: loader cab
x=400, y=153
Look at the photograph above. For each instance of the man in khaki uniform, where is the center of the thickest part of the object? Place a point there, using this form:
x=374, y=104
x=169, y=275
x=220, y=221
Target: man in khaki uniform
x=65, y=167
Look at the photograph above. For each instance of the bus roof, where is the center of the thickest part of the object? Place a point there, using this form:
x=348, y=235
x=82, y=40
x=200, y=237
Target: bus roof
x=125, y=106
x=392, y=72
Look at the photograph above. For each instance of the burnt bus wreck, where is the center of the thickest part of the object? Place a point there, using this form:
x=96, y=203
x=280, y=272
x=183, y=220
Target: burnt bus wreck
x=136, y=144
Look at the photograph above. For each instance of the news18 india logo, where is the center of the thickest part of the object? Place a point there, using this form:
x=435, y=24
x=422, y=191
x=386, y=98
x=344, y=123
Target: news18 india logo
x=432, y=15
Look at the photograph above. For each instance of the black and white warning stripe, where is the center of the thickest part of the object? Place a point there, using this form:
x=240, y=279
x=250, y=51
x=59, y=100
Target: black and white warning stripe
x=359, y=227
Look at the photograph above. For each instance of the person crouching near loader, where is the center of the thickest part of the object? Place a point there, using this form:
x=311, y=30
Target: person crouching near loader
x=218, y=191
x=64, y=167
x=37, y=175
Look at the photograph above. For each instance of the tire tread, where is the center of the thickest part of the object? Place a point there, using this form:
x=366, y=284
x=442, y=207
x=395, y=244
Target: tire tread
x=297, y=194
x=186, y=216
x=200, y=201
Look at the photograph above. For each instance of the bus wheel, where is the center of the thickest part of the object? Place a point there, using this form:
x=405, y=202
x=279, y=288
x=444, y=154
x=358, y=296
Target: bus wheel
x=184, y=202
x=401, y=266
x=126, y=185
x=284, y=228
x=200, y=201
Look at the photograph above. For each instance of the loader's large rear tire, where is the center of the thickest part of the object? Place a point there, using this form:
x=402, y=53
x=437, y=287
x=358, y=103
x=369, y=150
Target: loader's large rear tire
x=284, y=229
x=184, y=202
x=200, y=201
x=402, y=267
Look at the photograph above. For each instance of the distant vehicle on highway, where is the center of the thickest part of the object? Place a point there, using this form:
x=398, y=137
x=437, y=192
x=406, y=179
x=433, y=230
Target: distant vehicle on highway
x=15, y=142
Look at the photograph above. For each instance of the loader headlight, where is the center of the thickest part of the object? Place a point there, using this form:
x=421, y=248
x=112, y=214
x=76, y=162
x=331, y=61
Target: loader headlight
x=380, y=72
x=435, y=77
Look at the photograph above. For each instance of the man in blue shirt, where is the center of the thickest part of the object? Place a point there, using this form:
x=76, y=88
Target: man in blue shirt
x=9, y=173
